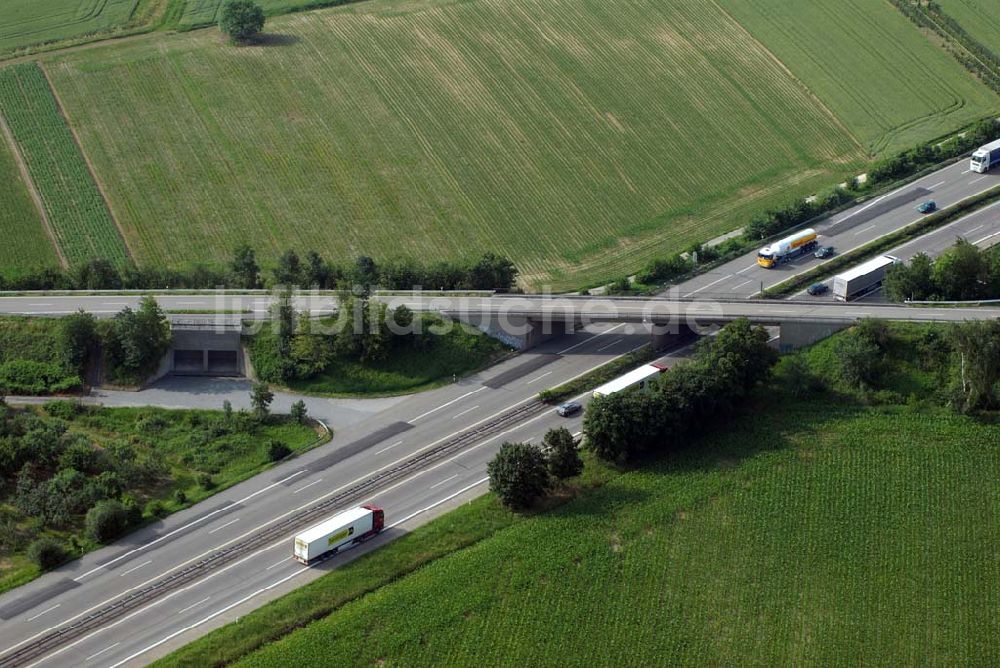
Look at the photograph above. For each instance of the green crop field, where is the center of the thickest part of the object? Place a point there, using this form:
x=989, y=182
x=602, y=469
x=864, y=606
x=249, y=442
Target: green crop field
x=77, y=213
x=27, y=22
x=204, y=12
x=809, y=534
x=442, y=129
x=980, y=18
x=888, y=84
x=579, y=140
x=26, y=245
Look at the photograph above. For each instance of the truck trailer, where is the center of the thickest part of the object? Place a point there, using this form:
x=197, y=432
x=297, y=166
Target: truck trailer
x=643, y=378
x=788, y=248
x=986, y=157
x=340, y=531
x=862, y=279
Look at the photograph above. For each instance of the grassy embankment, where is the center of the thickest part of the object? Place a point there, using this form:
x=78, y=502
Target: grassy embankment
x=409, y=367
x=162, y=460
x=816, y=528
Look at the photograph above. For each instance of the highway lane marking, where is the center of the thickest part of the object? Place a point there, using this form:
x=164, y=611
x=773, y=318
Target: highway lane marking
x=292, y=512
x=186, y=526
x=449, y=403
x=978, y=227
x=438, y=484
x=616, y=341
x=749, y=280
x=224, y=526
x=135, y=568
x=467, y=410
x=706, y=287
x=988, y=236
x=589, y=339
x=193, y=605
x=31, y=619
x=538, y=378
x=106, y=649
x=438, y=503
x=864, y=208
x=283, y=561
x=936, y=185
x=747, y=269
x=865, y=229
x=389, y=448
x=308, y=485
x=981, y=178
x=39, y=304
x=198, y=303
x=966, y=172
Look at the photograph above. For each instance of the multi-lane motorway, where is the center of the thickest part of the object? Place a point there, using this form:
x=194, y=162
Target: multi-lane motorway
x=380, y=442
x=846, y=231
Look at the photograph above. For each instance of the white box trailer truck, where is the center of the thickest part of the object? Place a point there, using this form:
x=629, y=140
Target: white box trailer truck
x=862, y=279
x=642, y=378
x=345, y=529
x=986, y=157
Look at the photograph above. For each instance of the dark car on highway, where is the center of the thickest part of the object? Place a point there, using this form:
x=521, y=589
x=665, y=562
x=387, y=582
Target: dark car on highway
x=817, y=289
x=825, y=251
x=569, y=408
x=927, y=207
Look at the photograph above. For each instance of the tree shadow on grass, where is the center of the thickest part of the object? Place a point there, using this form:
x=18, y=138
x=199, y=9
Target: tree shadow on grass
x=275, y=39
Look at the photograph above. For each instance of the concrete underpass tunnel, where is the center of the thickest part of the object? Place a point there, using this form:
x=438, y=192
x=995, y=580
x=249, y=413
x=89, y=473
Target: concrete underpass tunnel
x=206, y=349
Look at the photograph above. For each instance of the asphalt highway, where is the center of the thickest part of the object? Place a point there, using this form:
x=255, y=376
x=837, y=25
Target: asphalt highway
x=407, y=428
x=981, y=228
x=850, y=229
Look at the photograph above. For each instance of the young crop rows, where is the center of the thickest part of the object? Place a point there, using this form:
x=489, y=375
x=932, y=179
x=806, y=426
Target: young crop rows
x=27, y=22
x=449, y=130
x=851, y=537
x=890, y=85
x=25, y=245
x=77, y=213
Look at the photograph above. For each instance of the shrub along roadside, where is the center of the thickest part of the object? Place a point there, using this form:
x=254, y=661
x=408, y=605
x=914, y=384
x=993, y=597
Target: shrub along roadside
x=883, y=244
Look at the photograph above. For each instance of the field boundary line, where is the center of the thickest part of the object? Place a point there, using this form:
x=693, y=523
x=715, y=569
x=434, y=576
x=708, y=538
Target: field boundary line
x=36, y=197
x=780, y=63
x=61, y=108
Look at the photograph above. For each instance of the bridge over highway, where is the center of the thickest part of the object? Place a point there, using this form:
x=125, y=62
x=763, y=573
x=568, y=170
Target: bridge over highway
x=525, y=320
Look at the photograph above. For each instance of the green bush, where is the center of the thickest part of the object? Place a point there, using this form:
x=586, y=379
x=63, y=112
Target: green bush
x=276, y=451
x=47, y=553
x=106, y=521
x=30, y=377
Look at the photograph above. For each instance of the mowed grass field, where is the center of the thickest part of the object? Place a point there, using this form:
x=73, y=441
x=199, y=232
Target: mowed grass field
x=890, y=86
x=76, y=211
x=577, y=139
x=26, y=246
x=27, y=22
x=809, y=535
x=980, y=18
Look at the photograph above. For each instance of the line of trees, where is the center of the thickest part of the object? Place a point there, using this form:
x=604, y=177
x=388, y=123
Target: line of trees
x=961, y=273
x=628, y=426
x=489, y=272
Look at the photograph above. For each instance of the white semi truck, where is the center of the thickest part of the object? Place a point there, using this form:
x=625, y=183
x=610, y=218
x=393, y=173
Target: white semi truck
x=343, y=530
x=986, y=157
x=862, y=279
x=642, y=379
x=790, y=247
